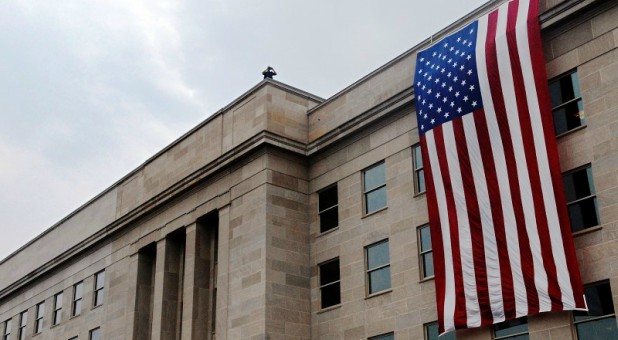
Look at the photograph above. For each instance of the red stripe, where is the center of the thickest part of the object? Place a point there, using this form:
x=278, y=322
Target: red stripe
x=474, y=218
x=460, y=318
x=531, y=160
x=436, y=235
x=540, y=78
x=498, y=99
x=506, y=276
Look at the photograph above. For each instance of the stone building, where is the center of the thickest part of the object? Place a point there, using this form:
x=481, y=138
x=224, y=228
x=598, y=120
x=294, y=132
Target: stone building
x=289, y=216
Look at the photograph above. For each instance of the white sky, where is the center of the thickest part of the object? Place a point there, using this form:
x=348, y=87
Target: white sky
x=91, y=89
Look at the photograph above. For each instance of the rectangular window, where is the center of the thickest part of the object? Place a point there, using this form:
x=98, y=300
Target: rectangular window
x=330, y=287
x=419, y=171
x=512, y=329
x=38, y=321
x=8, y=324
x=389, y=336
x=581, y=198
x=431, y=333
x=57, y=314
x=23, y=321
x=425, y=252
x=95, y=334
x=378, y=267
x=566, y=103
x=600, y=320
x=78, y=292
x=374, y=188
x=99, y=285
x=328, y=208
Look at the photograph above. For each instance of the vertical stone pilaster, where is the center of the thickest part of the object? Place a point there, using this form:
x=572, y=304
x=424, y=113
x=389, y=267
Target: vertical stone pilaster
x=131, y=330
x=166, y=291
x=222, y=298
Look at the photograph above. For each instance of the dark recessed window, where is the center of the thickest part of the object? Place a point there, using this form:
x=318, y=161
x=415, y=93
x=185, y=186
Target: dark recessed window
x=513, y=329
x=78, y=292
x=419, y=171
x=581, y=198
x=566, y=102
x=425, y=254
x=23, y=321
x=432, y=333
x=378, y=267
x=57, y=313
x=38, y=318
x=99, y=288
x=328, y=208
x=600, y=320
x=8, y=324
x=330, y=287
x=95, y=334
x=374, y=188
x=389, y=336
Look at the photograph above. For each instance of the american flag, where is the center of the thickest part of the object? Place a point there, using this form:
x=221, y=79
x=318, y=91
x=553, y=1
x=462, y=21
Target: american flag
x=500, y=229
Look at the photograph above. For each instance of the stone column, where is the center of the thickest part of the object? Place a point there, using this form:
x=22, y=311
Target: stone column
x=195, y=285
x=222, y=278
x=166, y=290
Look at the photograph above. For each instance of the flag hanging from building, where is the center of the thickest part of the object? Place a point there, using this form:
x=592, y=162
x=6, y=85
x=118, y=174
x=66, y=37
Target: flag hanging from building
x=500, y=229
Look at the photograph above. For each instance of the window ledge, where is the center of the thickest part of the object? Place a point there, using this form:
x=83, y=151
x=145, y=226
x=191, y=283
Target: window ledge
x=95, y=307
x=375, y=212
x=566, y=133
x=587, y=230
x=328, y=309
x=382, y=292
x=74, y=316
x=418, y=194
x=327, y=232
x=428, y=278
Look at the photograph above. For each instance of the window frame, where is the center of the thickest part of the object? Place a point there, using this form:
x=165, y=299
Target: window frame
x=338, y=281
x=445, y=336
x=39, y=314
x=335, y=206
x=57, y=308
x=76, y=299
x=565, y=103
x=597, y=318
x=96, y=290
x=422, y=253
x=368, y=271
x=366, y=192
x=506, y=337
x=91, y=332
x=381, y=336
x=592, y=196
x=416, y=148
x=8, y=324
x=23, y=322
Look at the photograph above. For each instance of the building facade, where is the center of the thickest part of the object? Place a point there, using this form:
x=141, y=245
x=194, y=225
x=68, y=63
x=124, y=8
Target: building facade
x=289, y=216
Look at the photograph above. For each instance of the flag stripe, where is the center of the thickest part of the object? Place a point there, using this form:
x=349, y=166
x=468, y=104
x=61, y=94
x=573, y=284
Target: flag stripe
x=461, y=309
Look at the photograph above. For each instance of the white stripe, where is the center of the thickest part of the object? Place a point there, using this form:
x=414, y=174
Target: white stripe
x=510, y=102
x=492, y=262
x=449, y=279
x=465, y=239
x=542, y=158
x=506, y=200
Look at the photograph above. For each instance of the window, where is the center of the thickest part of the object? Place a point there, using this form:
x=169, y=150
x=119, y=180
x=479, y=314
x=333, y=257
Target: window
x=581, y=198
x=328, y=209
x=38, y=321
x=78, y=291
x=95, y=334
x=431, y=333
x=99, y=285
x=374, y=188
x=23, y=321
x=566, y=103
x=516, y=329
x=389, y=336
x=8, y=324
x=330, y=288
x=425, y=252
x=600, y=321
x=57, y=314
x=419, y=171
x=378, y=267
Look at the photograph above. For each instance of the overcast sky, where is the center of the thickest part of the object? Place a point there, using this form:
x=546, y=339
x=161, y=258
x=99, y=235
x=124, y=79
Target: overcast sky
x=91, y=89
